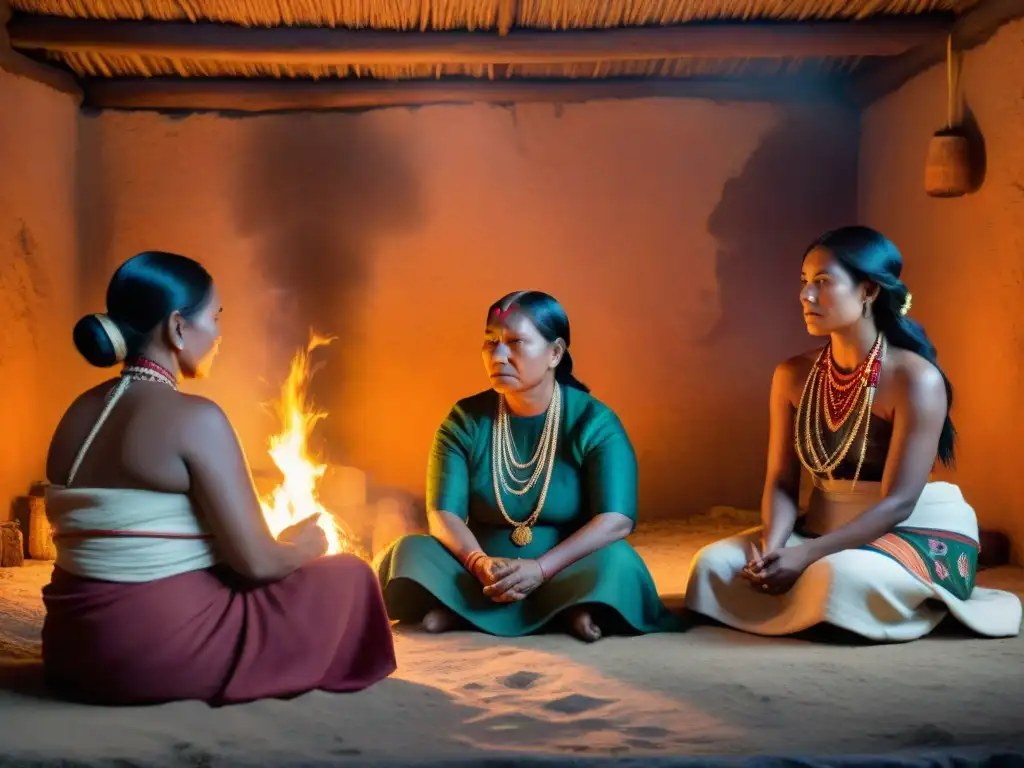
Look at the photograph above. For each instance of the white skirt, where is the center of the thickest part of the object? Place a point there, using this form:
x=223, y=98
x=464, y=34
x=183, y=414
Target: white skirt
x=891, y=592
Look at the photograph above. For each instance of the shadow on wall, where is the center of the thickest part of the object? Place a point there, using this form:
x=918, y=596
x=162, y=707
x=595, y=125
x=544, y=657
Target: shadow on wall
x=316, y=193
x=978, y=150
x=801, y=181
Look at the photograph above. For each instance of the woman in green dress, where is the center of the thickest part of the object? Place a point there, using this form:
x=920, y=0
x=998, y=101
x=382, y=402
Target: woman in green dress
x=531, y=493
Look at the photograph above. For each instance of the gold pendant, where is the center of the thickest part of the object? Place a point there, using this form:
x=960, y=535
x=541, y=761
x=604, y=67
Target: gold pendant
x=522, y=535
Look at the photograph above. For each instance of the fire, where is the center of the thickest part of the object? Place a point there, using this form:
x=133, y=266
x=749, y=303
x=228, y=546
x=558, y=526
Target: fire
x=296, y=497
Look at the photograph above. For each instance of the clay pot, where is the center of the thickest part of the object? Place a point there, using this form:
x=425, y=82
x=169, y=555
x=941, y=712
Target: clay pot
x=947, y=171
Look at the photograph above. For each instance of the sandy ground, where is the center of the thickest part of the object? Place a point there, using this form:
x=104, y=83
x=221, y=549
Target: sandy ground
x=478, y=700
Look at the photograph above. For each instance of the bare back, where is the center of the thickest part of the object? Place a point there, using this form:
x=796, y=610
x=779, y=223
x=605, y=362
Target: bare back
x=157, y=439
x=139, y=446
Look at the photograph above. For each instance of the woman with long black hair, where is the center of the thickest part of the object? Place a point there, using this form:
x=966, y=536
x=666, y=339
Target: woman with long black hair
x=881, y=551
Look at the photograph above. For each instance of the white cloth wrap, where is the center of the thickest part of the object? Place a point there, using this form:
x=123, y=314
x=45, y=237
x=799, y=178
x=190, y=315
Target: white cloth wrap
x=125, y=558
x=862, y=591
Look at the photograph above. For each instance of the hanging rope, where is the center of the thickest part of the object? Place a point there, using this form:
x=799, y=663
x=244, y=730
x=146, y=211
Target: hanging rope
x=952, y=85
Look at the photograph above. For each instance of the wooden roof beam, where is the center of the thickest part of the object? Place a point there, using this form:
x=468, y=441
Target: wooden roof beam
x=971, y=29
x=243, y=95
x=324, y=46
x=16, y=64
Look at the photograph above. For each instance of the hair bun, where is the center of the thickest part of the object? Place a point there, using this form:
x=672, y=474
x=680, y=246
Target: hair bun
x=99, y=340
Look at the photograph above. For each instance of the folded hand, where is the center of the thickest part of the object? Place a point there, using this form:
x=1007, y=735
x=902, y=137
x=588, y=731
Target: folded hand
x=489, y=569
x=778, y=570
x=516, y=579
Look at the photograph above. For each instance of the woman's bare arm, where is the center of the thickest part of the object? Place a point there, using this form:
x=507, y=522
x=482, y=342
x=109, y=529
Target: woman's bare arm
x=453, y=533
x=604, y=529
x=781, y=493
x=920, y=412
x=223, y=488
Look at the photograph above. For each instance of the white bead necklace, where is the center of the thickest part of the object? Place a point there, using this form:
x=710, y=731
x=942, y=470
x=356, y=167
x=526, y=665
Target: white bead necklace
x=504, y=461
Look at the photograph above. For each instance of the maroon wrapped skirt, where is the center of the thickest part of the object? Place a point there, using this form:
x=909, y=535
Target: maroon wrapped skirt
x=207, y=635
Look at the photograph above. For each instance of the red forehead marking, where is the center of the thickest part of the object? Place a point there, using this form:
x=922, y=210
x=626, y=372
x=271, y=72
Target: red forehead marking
x=511, y=308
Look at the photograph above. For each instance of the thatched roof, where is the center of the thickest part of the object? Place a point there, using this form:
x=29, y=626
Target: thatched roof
x=481, y=14
x=453, y=41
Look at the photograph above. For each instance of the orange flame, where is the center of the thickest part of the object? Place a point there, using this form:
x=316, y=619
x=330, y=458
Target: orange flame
x=296, y=497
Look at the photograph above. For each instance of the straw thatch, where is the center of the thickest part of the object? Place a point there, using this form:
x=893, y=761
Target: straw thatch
x=109, y=41
x=480, y=14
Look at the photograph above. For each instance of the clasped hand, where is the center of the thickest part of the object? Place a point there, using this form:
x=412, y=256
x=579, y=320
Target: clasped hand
x=307, y=535
x=776, y=571
x=508, y=580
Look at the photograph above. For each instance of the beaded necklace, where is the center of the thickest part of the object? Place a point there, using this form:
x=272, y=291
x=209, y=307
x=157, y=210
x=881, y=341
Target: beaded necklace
x=832, y=396
x=505, y=461
x=141, y=369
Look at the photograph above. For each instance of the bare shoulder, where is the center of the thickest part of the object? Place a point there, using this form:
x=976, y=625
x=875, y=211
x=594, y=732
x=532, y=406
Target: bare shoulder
x=93, y=395
x=73, y=427
x=791, y=373
x=83, y=412
x=797, y=366
x=201, y=420
x=913, y=377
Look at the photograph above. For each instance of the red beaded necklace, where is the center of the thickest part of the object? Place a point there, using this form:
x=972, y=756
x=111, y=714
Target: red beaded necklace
x=832, y=396
x=143, y=369
x=842, y=390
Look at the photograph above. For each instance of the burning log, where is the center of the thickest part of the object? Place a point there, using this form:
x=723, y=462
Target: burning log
x=297, y=496
x=354, y=519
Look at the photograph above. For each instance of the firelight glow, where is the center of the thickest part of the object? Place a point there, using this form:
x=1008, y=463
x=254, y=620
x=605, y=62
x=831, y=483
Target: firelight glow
x=296, y=497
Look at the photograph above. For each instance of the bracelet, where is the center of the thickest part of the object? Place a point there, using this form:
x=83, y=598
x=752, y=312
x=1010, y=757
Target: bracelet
x=470, y=561
x=542, y=574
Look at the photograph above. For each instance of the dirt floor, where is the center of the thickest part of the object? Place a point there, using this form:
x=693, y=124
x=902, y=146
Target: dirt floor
x=950, y=699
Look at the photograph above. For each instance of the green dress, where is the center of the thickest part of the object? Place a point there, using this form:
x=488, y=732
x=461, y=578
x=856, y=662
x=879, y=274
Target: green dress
x=595, y=472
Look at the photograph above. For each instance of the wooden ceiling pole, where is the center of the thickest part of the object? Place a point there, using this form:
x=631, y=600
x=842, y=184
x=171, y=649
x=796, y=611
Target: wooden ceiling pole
x=324, y=46
x=16, y=64
x=253, y=96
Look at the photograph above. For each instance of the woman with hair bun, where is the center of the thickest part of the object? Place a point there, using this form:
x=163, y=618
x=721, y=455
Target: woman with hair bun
x=531, y=492
x=880, y=551
x=168, y=584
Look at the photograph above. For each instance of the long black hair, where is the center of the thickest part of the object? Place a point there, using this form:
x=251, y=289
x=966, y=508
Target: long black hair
x=551, y=320
x=870, y=256
x=142, y=294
